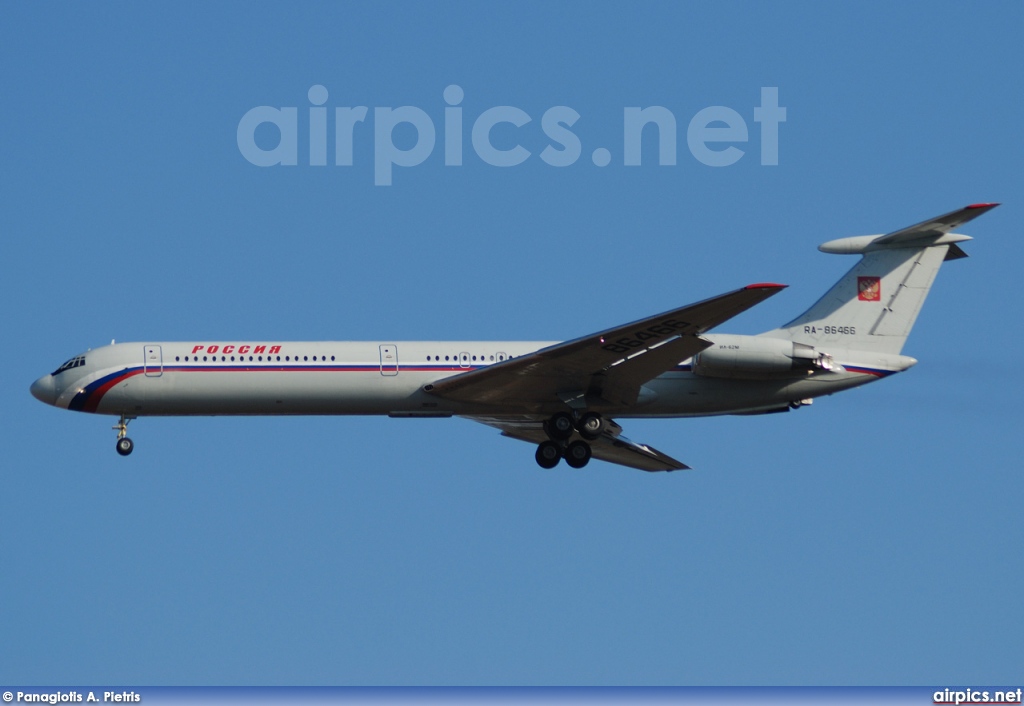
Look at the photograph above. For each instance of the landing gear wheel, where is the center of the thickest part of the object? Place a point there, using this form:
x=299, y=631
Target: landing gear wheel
x=590, y=425
x=559, y=427
x=548, y=454
x=125, y=446
x=577, y=454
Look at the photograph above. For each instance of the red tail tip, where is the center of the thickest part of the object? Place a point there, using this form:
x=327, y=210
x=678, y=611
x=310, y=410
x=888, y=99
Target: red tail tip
x=983, y=205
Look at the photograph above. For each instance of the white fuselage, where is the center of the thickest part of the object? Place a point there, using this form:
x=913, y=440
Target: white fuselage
x=371, y=378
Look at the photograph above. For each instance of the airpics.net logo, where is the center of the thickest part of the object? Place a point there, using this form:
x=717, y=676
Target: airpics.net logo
x=715, y=135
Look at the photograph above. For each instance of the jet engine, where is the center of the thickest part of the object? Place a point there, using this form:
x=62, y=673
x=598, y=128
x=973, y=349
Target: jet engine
x=757, y=358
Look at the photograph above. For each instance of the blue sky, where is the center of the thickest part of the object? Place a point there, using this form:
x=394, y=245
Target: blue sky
x=875, y=538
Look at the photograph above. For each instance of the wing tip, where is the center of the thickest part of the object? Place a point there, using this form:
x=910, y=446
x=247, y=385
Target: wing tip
x=766, y=285
x=982, y=205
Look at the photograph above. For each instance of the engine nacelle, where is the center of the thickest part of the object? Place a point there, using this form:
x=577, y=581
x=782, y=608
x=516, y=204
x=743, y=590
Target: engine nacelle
x=757, y=358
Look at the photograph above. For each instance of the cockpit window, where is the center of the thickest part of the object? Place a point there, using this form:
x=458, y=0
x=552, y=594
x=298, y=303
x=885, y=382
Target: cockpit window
x=73, y=363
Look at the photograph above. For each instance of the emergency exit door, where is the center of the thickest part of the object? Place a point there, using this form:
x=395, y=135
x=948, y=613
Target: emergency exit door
x=153, y=361
x=388, y=359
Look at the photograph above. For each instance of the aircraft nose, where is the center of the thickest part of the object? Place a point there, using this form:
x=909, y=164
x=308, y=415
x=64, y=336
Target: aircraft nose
x=44, y=390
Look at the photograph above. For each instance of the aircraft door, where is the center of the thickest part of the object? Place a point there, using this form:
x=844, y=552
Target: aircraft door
x=464, y=359
x=153, y=361
x=388, y=359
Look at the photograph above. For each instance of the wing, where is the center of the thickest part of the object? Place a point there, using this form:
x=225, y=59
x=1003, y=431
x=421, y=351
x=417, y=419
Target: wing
x=611, y=446
x=609, y=365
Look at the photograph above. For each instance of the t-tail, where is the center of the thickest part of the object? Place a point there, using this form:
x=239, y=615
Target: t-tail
x=874, y=306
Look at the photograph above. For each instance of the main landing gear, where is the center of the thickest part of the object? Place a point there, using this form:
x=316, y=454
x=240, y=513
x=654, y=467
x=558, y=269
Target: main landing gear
x=124, y=444
x=560, y=429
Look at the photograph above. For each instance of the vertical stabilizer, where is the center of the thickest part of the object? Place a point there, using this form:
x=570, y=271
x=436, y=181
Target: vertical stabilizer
x=874, y=306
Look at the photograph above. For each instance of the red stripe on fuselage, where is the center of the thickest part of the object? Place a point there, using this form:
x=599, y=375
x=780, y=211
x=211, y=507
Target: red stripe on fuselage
x=96, y=395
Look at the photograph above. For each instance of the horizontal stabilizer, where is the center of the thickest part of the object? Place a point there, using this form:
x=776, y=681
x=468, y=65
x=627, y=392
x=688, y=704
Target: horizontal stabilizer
x=935, y=231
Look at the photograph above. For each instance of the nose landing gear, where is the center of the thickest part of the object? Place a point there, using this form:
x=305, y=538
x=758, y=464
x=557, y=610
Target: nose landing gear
x=124, y=444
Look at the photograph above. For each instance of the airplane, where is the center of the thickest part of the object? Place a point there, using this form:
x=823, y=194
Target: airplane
x=563, y=397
